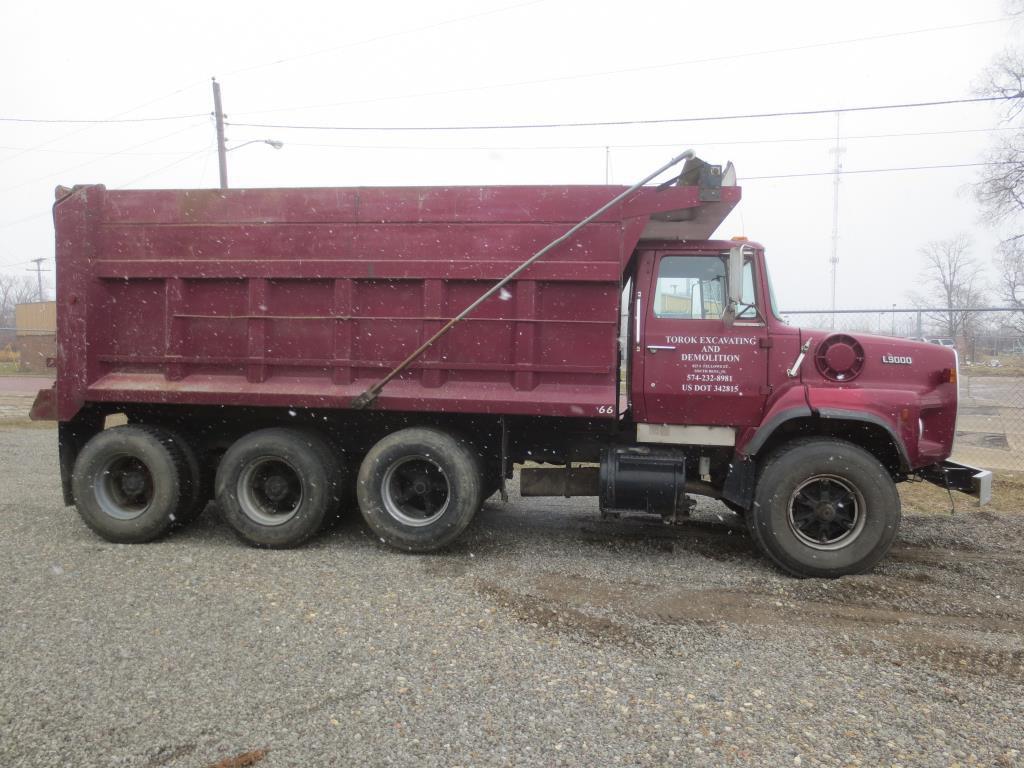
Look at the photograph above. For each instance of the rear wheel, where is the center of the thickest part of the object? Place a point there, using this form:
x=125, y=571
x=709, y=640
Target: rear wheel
x=131, y=483
x=824, y=508
x=419, y=488
x=201, y=480
x=275, y=487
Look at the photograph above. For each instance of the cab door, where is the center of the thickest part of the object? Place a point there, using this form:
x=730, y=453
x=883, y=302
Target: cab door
x=692, y=368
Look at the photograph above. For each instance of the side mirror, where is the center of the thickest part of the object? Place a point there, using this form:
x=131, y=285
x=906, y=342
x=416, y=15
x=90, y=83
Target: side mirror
x=734, y=281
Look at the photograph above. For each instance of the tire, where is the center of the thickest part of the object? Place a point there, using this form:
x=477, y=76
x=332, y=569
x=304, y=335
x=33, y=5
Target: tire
x=275, y=487
x=201, y=485
x=824, y=508
x=131, y=483
x=419, y=488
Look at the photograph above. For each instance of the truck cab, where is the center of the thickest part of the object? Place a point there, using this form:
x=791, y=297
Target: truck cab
x=802, y=431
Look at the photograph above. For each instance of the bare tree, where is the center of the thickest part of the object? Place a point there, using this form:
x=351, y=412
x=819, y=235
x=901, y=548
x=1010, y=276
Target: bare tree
x=953, y=280
x=1000, y=189
x=1009, y=262
x=14, y=290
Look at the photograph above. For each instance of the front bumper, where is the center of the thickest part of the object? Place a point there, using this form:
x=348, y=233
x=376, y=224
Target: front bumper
x=961, y=477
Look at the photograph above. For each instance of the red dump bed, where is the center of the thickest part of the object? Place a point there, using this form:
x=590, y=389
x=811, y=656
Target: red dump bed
x=305, y=297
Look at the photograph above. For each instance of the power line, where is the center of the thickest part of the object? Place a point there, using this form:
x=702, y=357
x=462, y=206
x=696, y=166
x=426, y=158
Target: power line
x=609, y=123
x=630, y=70
x=87, y=127
x=162, y=168
x=126, y=150
x=23, y=219
x=103, y=121
x=869, y=170
x=118, y=119
x=47, y=212
x=695, y=143
x=85, y=152
x=389, y=35
x=602, y=73
x=526, y=147
x=211, y=149
x=39, y=273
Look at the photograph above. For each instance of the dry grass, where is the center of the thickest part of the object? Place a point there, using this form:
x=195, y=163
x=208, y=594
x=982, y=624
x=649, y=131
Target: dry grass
x=1009, y=365
x=925, y=498
x=24, y=422
x=984, y=371
x=11, y=369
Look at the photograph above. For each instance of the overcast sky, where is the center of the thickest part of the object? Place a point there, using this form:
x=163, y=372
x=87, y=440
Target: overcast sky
x=457, y=62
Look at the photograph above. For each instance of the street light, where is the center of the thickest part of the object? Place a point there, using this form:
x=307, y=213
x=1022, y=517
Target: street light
x=272, y=142
x=222, y=147
x=223, y=154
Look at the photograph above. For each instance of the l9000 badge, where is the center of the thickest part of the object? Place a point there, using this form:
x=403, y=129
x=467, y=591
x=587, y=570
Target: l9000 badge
x=897, y=360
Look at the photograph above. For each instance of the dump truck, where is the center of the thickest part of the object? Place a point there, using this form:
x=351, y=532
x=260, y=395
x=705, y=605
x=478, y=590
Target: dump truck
x=290, y=353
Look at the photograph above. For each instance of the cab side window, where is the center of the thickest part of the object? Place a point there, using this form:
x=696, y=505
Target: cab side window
x=691, y=287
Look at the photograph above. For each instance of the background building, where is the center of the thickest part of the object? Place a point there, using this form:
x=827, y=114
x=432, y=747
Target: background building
x=36, y=328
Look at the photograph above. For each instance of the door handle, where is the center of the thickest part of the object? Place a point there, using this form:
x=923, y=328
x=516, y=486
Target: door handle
x=656, y=347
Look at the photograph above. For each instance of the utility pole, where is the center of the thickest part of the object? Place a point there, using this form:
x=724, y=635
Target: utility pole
x=222, y=152
x=836, y=170
x=607, y=164
x=38, y=269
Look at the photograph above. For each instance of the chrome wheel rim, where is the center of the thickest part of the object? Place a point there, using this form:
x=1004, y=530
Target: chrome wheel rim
x=826, y=512
x=124, y=488
x=416, y=491
x=270, y=491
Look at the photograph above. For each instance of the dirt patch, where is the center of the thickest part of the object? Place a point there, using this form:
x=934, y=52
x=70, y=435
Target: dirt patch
x=710, y=539
x=941, y=652
x=556, y=615
x=914, y=616
x=854, y=609
x=445, y=567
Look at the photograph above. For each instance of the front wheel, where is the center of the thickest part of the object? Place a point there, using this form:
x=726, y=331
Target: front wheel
x=824, y=508
x=419, y=488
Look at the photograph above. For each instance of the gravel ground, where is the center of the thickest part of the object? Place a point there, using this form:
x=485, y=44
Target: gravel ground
x=545, y=637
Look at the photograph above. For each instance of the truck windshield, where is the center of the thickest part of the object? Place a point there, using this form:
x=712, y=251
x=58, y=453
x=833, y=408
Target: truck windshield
x=771, y=290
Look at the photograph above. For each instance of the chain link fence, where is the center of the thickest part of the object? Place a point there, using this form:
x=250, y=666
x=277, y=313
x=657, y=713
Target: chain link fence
x=990, y=343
